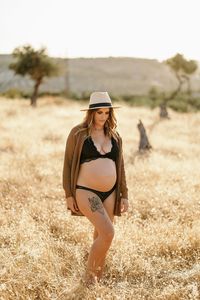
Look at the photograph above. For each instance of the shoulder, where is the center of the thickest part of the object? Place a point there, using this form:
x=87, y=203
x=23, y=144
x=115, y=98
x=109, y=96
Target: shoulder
x=77, y=129
x=119, y=138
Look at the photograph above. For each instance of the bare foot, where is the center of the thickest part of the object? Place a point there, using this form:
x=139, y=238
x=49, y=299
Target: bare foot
x=90, y=279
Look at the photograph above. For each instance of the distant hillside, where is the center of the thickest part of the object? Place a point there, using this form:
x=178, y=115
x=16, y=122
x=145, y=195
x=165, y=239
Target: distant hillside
x=119, y=76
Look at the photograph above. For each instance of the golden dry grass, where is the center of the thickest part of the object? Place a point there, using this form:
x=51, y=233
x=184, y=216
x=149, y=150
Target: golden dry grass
x=156, y=250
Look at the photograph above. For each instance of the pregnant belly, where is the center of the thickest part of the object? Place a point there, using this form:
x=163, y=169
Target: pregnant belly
x=99, y=174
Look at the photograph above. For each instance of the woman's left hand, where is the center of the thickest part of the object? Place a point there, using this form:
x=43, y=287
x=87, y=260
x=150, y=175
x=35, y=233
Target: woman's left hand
x=124, y=205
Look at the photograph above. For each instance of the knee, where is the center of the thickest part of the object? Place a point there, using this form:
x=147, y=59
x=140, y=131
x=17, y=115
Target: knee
x=108, y=235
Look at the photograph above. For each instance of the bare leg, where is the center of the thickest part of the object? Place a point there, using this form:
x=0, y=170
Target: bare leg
x=109, y=207
x=95, y=234
x=97, y=255
x=91, y=206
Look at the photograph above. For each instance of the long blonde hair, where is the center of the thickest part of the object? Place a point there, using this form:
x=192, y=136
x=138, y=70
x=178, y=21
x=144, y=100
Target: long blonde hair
x=109, y=126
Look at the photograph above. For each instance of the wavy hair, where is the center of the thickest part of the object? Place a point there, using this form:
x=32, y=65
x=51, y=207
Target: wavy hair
x=109, y=126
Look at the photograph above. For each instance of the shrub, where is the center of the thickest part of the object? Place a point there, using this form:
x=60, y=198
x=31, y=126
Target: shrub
x=13, y=93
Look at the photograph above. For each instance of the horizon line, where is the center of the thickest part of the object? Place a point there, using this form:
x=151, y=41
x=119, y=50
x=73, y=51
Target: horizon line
x=95, y=57
x=108, y=56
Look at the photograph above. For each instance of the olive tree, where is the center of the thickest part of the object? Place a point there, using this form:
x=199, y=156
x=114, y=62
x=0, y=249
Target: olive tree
x=34, y=63
x=182, y=69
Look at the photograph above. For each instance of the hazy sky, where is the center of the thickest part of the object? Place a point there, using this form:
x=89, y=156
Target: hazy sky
x=98, y=28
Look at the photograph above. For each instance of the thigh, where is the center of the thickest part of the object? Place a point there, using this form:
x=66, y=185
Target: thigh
x=91, y=206
x=109, y=204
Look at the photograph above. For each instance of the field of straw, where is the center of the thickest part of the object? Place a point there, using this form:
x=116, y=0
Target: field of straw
x=155, y=253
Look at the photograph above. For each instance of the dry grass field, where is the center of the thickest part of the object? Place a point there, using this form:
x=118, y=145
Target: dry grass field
x=156, y=250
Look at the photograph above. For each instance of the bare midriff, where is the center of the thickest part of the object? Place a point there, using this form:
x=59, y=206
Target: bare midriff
x=99, y=174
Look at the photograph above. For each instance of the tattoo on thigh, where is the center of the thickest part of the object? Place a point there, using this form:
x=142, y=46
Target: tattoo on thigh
x=96, y=205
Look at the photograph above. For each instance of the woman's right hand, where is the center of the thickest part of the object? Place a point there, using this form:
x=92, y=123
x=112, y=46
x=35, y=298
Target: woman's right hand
x=71, y=204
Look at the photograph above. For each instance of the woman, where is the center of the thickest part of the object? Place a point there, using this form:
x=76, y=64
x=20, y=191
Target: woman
x=94, y=177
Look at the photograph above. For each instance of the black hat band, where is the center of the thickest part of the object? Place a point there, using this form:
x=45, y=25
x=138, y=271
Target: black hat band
x=106, y=104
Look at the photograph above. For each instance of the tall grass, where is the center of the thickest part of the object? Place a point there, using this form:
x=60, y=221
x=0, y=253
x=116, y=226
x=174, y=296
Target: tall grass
x=156, y=250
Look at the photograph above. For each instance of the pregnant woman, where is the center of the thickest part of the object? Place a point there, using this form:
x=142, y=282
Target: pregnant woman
x=94, y=177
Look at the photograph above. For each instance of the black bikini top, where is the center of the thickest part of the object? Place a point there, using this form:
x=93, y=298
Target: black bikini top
x=90, y=152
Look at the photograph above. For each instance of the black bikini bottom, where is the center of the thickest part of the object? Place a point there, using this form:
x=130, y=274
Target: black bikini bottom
x=101, y=195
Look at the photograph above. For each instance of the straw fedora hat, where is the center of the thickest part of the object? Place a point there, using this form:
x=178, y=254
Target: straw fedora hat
x=99, y=100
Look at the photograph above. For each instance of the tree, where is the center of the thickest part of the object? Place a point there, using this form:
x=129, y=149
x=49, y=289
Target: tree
x=190, y=67
x=34, y=63
x=176, y=63
x=182, y=69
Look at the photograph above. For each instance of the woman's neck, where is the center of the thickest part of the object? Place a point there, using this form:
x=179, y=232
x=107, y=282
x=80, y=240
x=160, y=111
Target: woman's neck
x=99, y=129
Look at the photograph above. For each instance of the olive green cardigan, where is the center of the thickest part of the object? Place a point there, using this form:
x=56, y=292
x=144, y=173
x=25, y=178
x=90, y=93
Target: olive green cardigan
x=71, y=166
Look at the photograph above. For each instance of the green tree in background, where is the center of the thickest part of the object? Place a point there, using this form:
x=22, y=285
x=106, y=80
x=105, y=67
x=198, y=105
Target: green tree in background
x=182, y=69
x=189, y=68
x=34, y=63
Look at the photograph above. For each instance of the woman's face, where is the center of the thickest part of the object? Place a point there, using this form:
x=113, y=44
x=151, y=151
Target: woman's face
x=101, y=116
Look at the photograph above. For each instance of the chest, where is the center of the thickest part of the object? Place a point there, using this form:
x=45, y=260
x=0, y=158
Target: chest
x=102, y=144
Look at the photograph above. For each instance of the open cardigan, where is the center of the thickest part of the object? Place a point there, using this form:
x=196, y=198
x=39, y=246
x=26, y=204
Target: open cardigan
x=71, y=167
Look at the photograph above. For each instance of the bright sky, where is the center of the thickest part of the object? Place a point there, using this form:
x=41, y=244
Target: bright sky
x=98, y=28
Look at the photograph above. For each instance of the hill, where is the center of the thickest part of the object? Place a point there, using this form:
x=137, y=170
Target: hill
x=117, y=75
